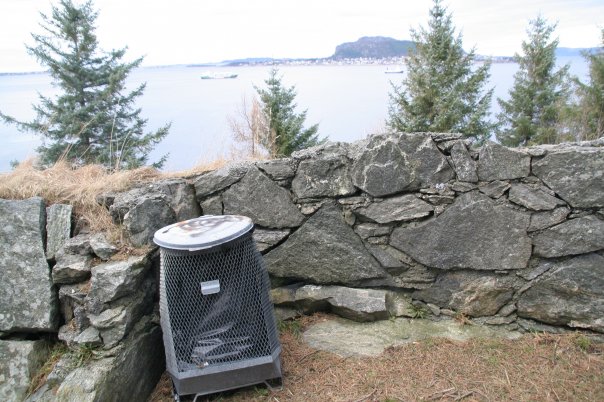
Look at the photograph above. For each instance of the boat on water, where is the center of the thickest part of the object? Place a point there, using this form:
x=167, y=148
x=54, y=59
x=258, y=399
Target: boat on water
x=212, y=75
x=395, y=71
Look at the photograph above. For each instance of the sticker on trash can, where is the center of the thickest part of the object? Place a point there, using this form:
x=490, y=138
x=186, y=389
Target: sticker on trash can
x=210, y=287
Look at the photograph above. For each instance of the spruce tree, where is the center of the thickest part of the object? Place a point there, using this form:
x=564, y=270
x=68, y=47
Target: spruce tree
x=588, y=112
x=94, y=118
x=286, y=132
x=540, y=91
x=441, y=91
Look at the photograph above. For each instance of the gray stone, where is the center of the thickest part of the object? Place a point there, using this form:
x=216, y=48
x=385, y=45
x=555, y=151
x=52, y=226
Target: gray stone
x=27, y=299
x=89, y=337
x=576, y=175
x=147, y=217
x=324, y=250
x=19, y=362
x=72, y=299
x=181, y=197
x=535, y=271
x=212, y=206
x=130, y=375
x=349, y=338
x=77, y=245
x=388, y=256
x=494, y=189
x=474, y=232
x=576, y=236
x=259, y=198
x=266, y=238
x=277, y=169
x=394, y=163
x=531, y=198
x=444, y=137
x=471, y=293
x=396, y=209
x=323, y=177
x=58, y=227
x=101, y=247
x=217, y=180
x=544, y=220
x=355, y=304
x=113, y=280
x=464, y=165
x=571, y=293
x=366, y=230
x=399, y=305
x=463, y=187
x=71, y=268
x=496, y=162
x=438, y=199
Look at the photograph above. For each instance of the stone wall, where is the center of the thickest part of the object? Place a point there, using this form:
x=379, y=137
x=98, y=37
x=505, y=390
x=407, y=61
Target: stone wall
x=415, y=225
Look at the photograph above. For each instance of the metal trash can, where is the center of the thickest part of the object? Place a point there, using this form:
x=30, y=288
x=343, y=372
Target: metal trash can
x=216, y=315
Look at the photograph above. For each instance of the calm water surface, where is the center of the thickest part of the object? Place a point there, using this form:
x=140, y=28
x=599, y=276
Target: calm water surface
x=348, y=102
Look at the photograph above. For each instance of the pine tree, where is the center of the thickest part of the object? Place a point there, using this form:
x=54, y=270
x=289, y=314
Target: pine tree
x=539, y=93
x=588, y=112
x=286, y=132
x=94, y=119
x=441, y=91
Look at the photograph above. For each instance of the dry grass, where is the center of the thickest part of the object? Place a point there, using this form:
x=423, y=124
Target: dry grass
x=535, y=367
x=79, y=187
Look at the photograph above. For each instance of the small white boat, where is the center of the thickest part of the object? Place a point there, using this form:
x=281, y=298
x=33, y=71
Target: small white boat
x=217, y=75
x=395, y=71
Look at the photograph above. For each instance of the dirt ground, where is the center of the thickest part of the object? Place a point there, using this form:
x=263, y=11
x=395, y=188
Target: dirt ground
x=537, y=367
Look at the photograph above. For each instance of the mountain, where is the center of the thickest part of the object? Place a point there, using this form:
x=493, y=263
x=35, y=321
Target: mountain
x=376, y=47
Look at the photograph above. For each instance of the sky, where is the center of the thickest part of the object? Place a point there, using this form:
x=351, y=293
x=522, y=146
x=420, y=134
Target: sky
x=198, y=31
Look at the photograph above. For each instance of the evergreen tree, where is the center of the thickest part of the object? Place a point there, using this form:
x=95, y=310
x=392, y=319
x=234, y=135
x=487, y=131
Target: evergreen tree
x=539, y=93
x=94, y=119
x=588, y=112
x=286, y=132
x=441, y=92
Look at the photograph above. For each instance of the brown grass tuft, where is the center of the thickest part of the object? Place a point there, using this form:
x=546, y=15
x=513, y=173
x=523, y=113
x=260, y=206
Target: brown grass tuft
x=535, y=367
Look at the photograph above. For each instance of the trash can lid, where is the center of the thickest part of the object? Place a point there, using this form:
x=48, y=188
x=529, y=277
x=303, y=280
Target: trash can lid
x=203, y=232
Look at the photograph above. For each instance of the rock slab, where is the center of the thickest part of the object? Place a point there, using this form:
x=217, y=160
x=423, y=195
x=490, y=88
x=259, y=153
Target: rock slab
x=19, y=362
x=496, y=162
x=324, y=250
x=395, y=163
x=27, y=298
x=402, y=208
x=576, y=175
x=575, y=236
x=58, y=228
x=474, y=232
x=570, y=293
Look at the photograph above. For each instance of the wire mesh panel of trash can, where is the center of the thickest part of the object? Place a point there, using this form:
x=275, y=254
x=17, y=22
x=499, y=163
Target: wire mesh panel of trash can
x=216, y=315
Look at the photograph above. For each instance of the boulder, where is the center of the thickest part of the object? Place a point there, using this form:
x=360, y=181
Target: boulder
x=113, y=280
x=278, y=169
x=471, y=293
x=570, y=293
x=101, y=247
x=575, y=174
x=464, y=165
x=259, y=198
x=217, y=180
x=27, y=298
x=77, y=245
x=19, y=363
x=129, y=375
x=366, y=230
x=323, y=176
x=544, y=220
x=575, y=236
x=266, y=238
x=355, y=304
x=475, y=232
x=324, y=250
x=536, y=199
x=71, y=268
x=58, y=228
x=496, y=162
x=147, y=217
x=394, y=163
x=396, y=209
